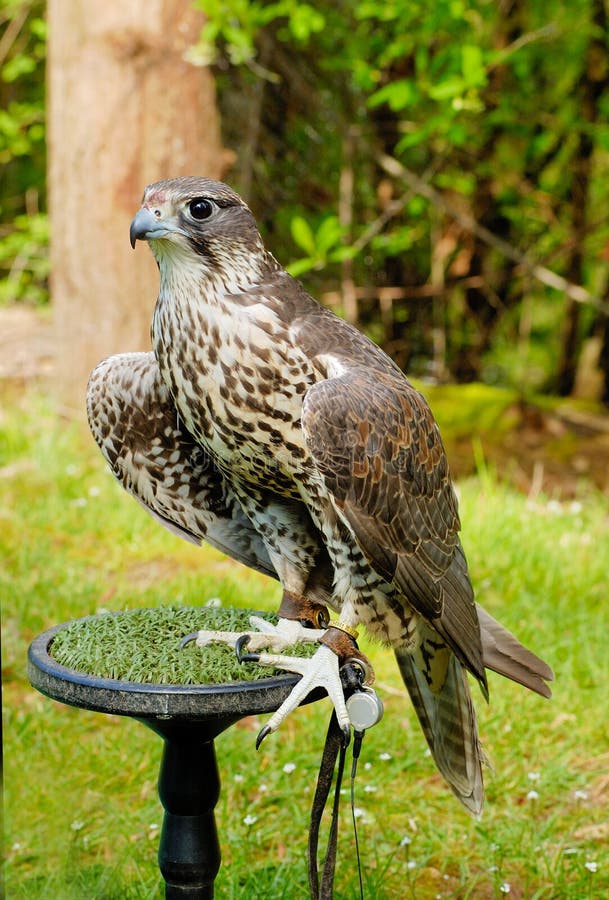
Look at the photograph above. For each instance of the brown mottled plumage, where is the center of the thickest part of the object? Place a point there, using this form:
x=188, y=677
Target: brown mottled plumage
x=271, y=428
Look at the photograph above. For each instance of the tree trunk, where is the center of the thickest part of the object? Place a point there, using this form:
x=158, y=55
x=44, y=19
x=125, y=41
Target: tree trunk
x=125, y=108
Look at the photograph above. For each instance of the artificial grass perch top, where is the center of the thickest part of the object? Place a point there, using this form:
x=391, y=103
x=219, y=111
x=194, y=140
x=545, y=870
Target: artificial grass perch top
x=143, y=646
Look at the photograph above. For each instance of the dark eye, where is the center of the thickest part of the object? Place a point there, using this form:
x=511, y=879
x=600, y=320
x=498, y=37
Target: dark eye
x=200, y=208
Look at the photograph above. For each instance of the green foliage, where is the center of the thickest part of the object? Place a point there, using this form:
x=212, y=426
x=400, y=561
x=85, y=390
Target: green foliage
x=490, y=105
x=23, y=220
x=24, y=256
x=322, y=246
x=82, y=814
x=237, y=23
x=500, y=109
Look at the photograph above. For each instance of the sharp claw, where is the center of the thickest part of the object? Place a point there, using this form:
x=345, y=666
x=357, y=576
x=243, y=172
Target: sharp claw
x=188, y=639
x=240, y=643
x=264, y=732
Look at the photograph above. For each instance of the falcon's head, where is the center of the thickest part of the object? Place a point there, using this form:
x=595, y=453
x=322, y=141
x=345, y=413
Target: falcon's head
x=199, y=222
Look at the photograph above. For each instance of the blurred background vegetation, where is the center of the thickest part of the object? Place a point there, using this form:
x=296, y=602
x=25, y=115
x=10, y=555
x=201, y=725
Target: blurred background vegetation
x=24, y=227
x=437, y=172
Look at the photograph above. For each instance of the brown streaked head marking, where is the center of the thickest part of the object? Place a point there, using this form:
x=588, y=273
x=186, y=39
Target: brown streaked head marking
x=204, y=216
x=190, y=187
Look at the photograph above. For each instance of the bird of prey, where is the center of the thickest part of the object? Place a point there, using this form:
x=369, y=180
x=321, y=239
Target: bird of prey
x=266, y=425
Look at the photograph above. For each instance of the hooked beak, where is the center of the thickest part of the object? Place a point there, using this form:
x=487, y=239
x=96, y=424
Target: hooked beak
x=146, y=227
x=143, y=226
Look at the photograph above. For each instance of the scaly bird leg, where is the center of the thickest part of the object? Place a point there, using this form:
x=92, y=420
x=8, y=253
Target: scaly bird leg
x=285, y=633
x=319, y=671
x=300, y=620
x=322, y=670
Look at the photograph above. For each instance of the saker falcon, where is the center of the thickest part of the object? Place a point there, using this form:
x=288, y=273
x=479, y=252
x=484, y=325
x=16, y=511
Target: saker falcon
x=266, y=425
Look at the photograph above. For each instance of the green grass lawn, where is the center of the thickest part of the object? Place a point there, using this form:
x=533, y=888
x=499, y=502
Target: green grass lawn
x=82, y=813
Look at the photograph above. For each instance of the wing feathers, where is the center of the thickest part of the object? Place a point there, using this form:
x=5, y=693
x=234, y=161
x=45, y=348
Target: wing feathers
x=448, y=720
x=136, y=425
x=504, y=654
x=378, y=449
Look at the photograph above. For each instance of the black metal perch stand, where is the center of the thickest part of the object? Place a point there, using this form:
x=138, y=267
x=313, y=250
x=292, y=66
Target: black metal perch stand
x=188, y=718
